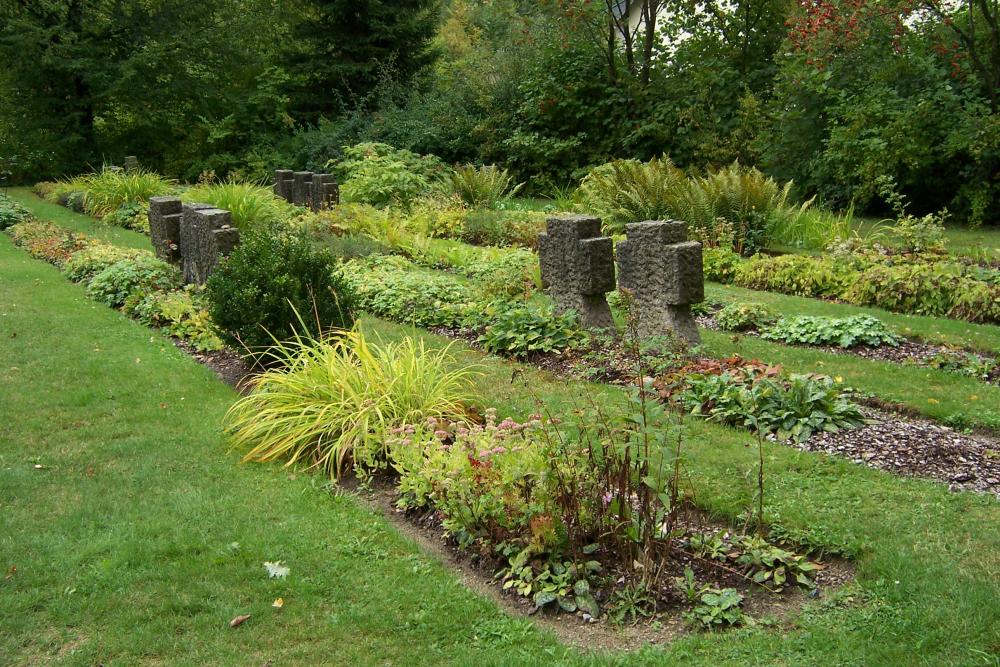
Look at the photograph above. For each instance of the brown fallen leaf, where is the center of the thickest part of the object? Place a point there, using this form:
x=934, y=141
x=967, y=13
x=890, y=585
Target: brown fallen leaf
x=10, y=572
x=239, y=620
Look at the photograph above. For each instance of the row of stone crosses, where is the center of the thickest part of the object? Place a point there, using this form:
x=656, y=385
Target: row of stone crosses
x=656, y=262
x=194, y=236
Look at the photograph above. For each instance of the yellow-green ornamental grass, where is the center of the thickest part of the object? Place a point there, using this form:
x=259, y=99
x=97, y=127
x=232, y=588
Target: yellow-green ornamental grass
x=336, y=399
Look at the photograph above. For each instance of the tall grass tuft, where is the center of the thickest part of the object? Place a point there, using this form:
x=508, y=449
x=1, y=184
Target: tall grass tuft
x=251, y=204
x=483, y=187
x=335, y=401
x=108, y=190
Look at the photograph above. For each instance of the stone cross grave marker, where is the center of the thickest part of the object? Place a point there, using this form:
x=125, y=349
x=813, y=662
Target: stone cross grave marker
x=302, y=182
x=165, y=215
x=325, y=192
x=206, y=234
x=283, y=183
x=578, y=267
x=663, y=270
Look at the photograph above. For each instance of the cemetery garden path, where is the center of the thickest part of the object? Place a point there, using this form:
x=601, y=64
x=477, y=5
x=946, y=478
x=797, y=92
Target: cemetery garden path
x=129, y=536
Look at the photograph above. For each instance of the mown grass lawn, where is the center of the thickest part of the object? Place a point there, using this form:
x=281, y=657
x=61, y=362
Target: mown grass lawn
x=121, y=512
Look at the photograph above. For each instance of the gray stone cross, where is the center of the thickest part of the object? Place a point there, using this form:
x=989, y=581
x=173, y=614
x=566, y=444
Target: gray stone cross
x=663, y=270
x=578, y=267
x=165, y=215
x=283, y=183
x=302, y=183
x=206, y=234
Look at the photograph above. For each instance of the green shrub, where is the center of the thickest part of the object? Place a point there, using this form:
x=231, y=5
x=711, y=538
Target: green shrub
x=912, y=234
x=143, y=273
x=925, y=289
x=792, y=409
x=626, y=191
x=744, y=316
x=503, y=228
x=379, y=174
x=844, y=332
x=720, y=264
x=350, y=246
x=276, y=287
x=976, y=302
x=794, y=274
x=964, y=363
x=483, y=187
x=88, y=262
x=251, y=204
x=12, y=213
x=335, y=401
x=393, y=288
x=525, y=330
x=182, y=313
x=134, y=215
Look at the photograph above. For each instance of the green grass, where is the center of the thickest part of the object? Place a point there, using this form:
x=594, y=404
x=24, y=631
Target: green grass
x=959, y=240
x=79, y=222
x=122, y=538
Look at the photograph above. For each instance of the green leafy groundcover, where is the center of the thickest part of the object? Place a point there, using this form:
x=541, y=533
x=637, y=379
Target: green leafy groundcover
x=921, y=285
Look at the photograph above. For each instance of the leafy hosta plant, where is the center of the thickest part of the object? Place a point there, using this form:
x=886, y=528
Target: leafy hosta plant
x=524, y=330
x=844, y=332
x=793, y=409
x=333, y=402
x=744, y=316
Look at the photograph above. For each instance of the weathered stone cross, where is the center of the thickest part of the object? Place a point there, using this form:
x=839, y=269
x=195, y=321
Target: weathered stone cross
x=578, y=267
x=663, y=270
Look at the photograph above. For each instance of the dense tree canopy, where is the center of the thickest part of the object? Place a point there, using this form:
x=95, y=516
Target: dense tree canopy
x=831, y=93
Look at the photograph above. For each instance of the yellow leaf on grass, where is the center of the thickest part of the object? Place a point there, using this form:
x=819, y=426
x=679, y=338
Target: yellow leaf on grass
x=279, y=603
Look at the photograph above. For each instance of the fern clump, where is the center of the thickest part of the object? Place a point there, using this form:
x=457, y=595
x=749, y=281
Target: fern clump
x=627, y=191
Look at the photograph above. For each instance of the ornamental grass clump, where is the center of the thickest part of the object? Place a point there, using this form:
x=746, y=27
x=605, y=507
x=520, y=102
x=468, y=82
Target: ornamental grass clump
x=251, y=204
x=334, y=401
x=108, y=190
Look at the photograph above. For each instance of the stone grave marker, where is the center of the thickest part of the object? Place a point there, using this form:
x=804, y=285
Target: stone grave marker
x=283, y=183
x=206, y=234
x=302, y=182
x=578, y=267
x=663, y=270
x=131, y=163
x=325, y=192
x=165, y=215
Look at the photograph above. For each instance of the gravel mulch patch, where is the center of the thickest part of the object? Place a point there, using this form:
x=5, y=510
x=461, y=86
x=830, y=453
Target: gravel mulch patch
x=917, y=448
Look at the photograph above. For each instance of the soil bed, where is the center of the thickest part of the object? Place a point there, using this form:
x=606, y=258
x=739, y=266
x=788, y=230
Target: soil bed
x=477, y=572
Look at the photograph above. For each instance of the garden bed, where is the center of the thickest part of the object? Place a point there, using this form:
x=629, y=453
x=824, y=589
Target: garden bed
x=477, y=571
x=906, y=351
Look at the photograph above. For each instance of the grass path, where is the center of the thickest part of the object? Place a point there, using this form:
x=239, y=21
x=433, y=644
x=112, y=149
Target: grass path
x=121, y=512
x=123, y=540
